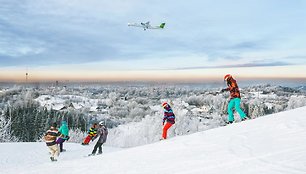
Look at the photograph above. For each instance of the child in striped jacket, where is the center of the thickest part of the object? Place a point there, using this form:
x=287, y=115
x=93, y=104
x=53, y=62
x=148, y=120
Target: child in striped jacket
x=50, y=139
x=92, y=132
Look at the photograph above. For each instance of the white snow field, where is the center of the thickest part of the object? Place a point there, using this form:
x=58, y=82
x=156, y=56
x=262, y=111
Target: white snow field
x=274, y=144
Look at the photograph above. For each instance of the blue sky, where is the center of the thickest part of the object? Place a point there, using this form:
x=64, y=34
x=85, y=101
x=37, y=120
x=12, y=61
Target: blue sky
x=92, y=35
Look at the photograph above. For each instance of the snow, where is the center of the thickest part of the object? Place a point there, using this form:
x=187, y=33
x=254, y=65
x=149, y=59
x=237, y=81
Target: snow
x=259, y=94
x=269, y=105
x=49, y=102
x=18, y=157
x=274, y=144
x=57, y=102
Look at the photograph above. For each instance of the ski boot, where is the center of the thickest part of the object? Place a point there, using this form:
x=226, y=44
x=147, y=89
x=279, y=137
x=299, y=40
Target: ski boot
x=245, y=118
x=53, y=159
x=229, y=122
x=91, y=154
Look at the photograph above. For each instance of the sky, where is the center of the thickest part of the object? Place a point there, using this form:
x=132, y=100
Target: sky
x=202, y=39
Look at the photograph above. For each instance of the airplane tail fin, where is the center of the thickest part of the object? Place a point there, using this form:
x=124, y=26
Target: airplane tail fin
x=162, y=25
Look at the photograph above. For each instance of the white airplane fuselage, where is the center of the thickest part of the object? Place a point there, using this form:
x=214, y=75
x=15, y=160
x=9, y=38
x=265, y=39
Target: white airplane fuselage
x=146, y=25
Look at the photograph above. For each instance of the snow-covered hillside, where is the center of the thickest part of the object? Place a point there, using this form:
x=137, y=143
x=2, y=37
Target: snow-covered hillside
x=19, y=157
x=274, y=144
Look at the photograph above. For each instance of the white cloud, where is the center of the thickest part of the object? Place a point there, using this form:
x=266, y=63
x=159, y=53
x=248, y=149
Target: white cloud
x=19, y=47
x=197, y=33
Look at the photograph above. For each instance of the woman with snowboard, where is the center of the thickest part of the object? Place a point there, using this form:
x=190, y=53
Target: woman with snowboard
x=169, y=118
x=234, y=99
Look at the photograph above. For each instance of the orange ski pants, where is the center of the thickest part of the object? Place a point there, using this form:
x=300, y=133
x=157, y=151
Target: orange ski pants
x=165, y=129
x=87, y=139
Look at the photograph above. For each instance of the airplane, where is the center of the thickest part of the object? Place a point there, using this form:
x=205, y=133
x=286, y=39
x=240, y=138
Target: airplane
x=147, y=25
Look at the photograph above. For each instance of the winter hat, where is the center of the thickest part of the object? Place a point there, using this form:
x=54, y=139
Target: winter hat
x=54, y=125
x=227, y=76
x=164, y=104
x=101, y=123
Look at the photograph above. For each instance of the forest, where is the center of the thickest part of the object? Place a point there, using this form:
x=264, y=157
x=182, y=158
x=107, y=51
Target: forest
x=132, y=113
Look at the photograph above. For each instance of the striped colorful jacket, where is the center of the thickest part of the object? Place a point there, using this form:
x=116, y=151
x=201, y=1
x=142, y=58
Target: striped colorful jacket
x=169, y=115
x=50, y=136
x=92, y=132
x=233, y=88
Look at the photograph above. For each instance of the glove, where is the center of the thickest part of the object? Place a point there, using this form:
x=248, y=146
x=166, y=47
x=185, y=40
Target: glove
x=163, y=122
x=223, y=90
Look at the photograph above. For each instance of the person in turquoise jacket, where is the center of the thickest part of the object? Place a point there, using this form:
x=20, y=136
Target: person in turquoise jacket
x=64, y=131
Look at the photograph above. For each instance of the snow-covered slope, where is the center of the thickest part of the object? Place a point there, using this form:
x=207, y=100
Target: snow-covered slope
x=20, y=157
x=275, y=144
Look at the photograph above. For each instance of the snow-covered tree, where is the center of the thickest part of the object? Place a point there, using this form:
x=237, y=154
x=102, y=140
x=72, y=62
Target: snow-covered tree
x=76, y=135
x=5, y=130
x=296, y=101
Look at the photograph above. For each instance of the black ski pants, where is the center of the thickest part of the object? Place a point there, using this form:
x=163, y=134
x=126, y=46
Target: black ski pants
x=98, y=145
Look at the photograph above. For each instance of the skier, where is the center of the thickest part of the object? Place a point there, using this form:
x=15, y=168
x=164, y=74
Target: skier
x=169, y=118
x=234, y=99
x=91, y=133
x=102, y=134
x=64, y=135
x=50, y=139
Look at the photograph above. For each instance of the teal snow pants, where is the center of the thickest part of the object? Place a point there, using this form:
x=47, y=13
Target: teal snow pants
x=235, y=102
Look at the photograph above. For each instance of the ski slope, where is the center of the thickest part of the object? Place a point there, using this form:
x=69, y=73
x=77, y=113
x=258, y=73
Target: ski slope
x=274, y=144
x=18, y=157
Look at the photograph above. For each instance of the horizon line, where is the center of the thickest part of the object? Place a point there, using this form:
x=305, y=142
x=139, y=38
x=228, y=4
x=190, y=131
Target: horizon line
x=194, y=80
